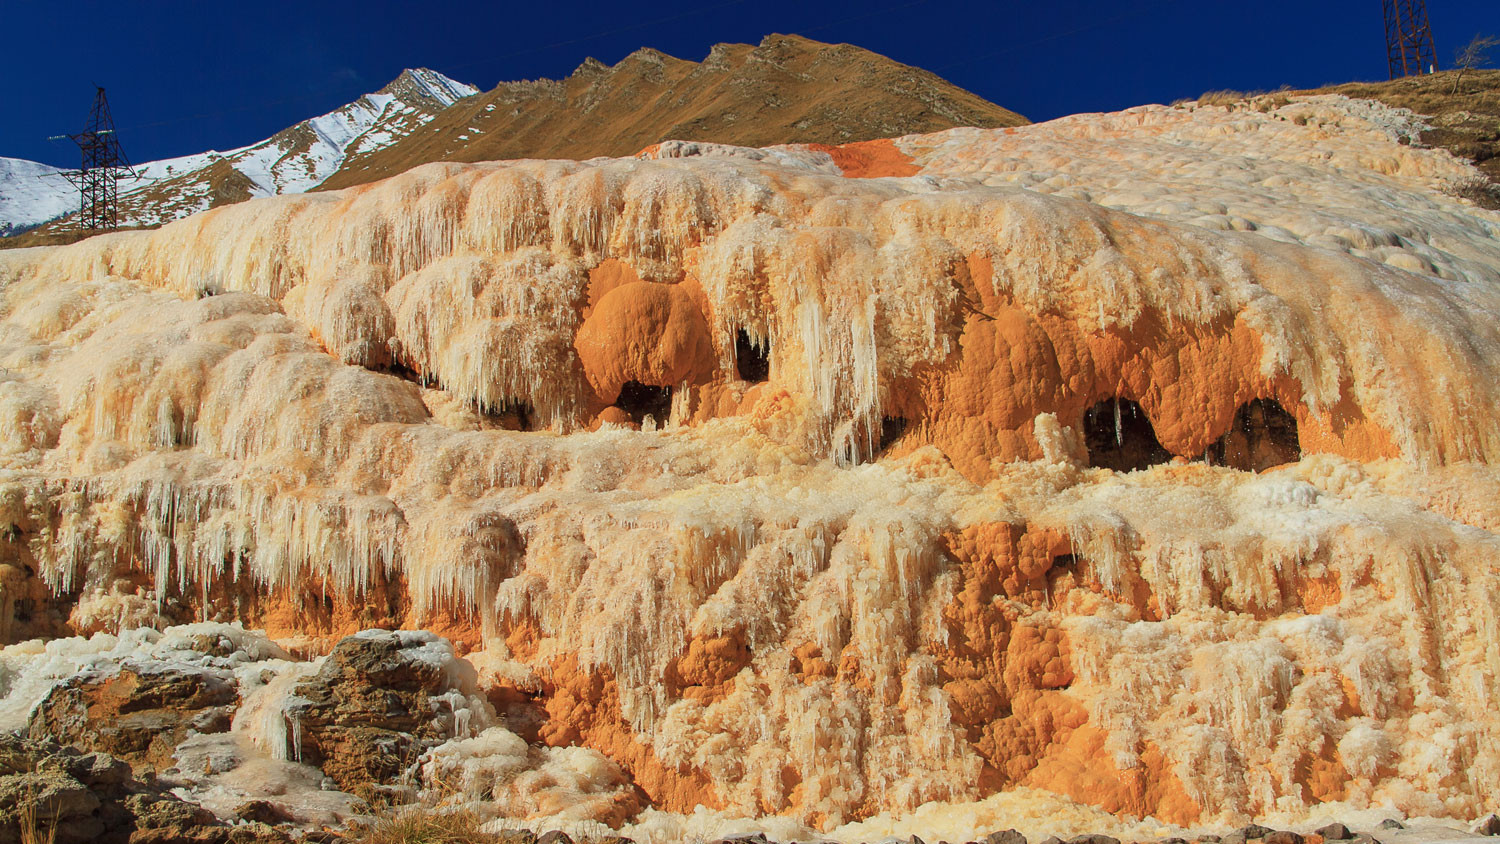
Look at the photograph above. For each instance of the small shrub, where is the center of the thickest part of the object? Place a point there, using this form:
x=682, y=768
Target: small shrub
x=1271, y=102
x=1476, y=189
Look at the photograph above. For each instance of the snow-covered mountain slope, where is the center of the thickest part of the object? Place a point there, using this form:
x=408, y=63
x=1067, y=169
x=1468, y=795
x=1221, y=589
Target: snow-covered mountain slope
x=291, y=161
x=31, y=192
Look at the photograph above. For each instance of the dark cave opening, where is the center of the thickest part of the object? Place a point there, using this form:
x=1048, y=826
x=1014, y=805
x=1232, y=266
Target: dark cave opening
x=891, y=429
x=1262, y=435
x=402, y=371
x=1119, y=436
x=641, y=400
x=509, y=415
x=751, y=360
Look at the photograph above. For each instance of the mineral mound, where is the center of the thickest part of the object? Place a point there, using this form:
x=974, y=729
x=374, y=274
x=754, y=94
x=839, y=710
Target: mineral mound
x=1135, y=465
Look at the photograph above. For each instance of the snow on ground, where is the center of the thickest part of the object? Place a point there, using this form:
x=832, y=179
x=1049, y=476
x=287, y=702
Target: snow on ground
x=292, y=161
x=31, y=193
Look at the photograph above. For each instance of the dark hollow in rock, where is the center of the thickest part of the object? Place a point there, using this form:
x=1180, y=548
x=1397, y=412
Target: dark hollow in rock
x=1261, y=436
x=1119, y=436
x=402, y=371
x=891, y=429
x=641, y=400
x=751, y=361
x=509, y=415
x=1334, y=832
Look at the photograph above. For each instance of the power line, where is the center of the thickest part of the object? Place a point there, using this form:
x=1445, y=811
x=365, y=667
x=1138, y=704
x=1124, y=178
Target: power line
x=97, y=177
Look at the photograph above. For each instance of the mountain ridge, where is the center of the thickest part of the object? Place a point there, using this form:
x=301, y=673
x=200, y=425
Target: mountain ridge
x=787, y=89
x=289, y=161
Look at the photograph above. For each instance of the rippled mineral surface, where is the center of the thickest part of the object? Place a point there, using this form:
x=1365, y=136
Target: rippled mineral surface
x=1127, y=472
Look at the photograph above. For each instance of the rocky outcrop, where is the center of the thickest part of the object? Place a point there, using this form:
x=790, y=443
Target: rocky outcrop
x=380, y=699
x=138, y=714
x=49, y=792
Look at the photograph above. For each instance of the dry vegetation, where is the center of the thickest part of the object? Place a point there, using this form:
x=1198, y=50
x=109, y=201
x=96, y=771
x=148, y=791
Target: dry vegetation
x=420, y=825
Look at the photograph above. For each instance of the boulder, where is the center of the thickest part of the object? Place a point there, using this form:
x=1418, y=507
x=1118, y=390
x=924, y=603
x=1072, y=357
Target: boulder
x=1334, y=832
x=1282, y=837
x=377, y=703
x=1255, y=830
x=1488, y=826
x=1391, y=823
x=139, y=713
x=1093, y=839
x=69, y=797
x=1005, y=836
x=262, y=811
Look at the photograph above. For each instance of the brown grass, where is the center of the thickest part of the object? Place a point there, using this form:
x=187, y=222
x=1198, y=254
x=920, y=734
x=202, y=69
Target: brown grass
x=1225, y=97
x=422, y=825
x=32, y=825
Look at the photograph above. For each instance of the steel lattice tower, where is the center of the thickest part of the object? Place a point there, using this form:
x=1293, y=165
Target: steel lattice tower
x=98, y=176
x=1408, y=38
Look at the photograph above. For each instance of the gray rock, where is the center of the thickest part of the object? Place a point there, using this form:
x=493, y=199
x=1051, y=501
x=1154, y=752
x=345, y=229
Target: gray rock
x=1005, y=836
x=1488, y=826
x=1093, y=839
x=1052, y=839
x=91, y=798
x=1334, y=832
x=1391, y=823
x=1233, y=838
x=1255, y=830
x=262, y=811
x=1208, y=839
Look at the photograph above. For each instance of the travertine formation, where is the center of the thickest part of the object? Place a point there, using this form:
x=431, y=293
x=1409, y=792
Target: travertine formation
x=1137, y=464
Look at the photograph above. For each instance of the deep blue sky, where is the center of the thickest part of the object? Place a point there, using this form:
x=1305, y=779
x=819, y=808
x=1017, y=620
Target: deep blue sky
x=190, y=76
